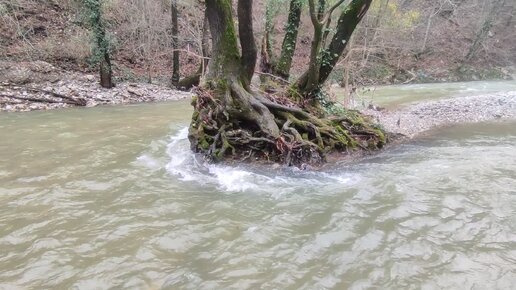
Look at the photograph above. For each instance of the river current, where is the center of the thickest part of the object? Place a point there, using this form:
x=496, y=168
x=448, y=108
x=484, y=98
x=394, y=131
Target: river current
x=112, y=198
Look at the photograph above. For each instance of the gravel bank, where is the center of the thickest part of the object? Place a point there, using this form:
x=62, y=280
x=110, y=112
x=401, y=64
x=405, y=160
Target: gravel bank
x=420, y=117
x=41, y=86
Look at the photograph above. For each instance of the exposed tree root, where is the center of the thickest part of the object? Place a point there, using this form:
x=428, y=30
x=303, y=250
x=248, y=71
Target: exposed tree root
x=231, y=123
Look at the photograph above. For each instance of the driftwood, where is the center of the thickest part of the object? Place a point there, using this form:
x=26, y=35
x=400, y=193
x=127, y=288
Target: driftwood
x=38, y=100
x=7, y=102
x=64, y=99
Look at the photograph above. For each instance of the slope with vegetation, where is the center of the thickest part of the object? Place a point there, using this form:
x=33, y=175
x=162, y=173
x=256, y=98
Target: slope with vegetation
x=398, y=41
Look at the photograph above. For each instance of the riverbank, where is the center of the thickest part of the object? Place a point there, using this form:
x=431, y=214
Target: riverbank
x=29, y=86
x=117, y=195
x=414, y=119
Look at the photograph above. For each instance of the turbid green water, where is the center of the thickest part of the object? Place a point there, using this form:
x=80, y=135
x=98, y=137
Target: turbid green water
x=111, y=198
x=395, y=95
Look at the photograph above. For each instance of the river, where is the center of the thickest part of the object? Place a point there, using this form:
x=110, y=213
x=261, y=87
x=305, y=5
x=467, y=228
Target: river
x=111, y=198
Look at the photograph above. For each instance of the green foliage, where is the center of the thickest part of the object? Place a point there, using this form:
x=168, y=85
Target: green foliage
x=394, y=16
x=329, y=106
x=102, y=42
x=324, y=57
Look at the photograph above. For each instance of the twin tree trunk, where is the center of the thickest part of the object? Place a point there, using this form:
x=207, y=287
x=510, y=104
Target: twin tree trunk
x=231, y=121
x=322, y=58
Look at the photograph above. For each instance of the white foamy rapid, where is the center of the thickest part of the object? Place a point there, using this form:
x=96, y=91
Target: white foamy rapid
x=184, y=165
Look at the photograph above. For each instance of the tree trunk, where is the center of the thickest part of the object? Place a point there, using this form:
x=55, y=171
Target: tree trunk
x=227, y=75
x=308, y=84
x=231, y=121
x=323, y=61
x=321, y=10
x=267, y=60
x=106, y=73
x=280, y=67
x=246, y=34
x=193, y=80
x=288, y=46
x=205, y=43
x=102, y=48
x=175, y=44
x=348, y=21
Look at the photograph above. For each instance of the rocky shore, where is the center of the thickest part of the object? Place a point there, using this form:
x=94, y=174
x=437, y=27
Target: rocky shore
x=414, y=119
x=40, y=86
x=29, y=86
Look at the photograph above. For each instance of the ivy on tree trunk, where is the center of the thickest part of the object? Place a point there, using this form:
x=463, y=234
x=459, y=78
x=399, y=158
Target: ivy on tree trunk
x=175, y=43
x=101, y=53
x=231, y=121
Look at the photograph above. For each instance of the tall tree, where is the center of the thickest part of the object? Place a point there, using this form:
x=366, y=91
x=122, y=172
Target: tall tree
x=281, y=67
x=323, y=59
x=102, y=47
x=175, y=43
x=232, y=121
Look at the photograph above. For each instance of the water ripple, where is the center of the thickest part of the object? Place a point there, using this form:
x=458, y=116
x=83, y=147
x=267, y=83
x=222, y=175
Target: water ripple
x=432, y=214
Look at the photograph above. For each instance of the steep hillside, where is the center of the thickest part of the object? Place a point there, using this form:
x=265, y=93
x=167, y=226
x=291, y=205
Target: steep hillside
x=399, y=41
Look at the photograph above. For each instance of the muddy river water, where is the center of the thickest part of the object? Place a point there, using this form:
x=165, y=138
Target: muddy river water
x=112, y=198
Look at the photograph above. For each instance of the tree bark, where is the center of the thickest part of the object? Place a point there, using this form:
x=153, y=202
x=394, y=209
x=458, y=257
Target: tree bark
x=247, y=42
x=288, y=46
x=321, y=10
x=308, y=84
x=231, y=121
x=205, y=43
x=227, y=74
x=323, y=61
x=101, y=42
x=106, y=72
x=348, y=21
x=175, y=44
x=267, y=60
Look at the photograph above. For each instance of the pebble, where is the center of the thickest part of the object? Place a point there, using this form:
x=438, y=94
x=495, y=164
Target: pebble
x=44, y=76
x=409, y=120
x=417, y=118
x=123, y=93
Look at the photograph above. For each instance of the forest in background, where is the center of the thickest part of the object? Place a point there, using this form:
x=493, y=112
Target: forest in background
x=399, y=41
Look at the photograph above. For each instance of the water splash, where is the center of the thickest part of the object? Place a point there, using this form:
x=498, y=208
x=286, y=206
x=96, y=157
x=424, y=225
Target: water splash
x=187, y=167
